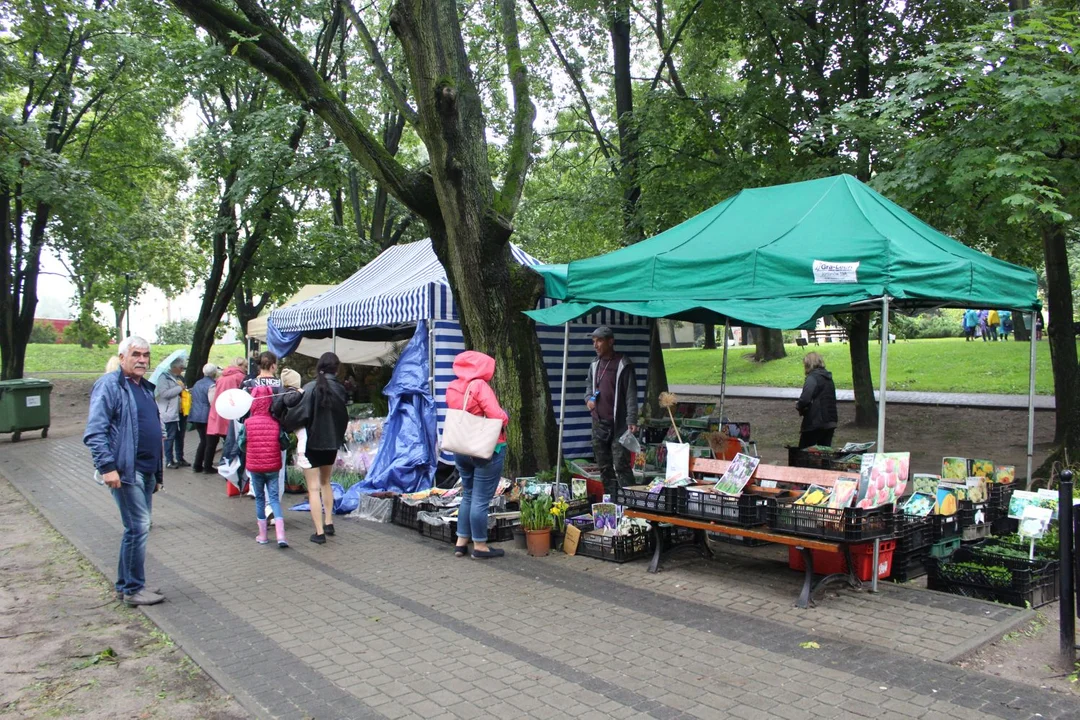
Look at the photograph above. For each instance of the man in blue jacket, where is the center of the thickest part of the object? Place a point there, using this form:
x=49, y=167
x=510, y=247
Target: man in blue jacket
x=123, y=432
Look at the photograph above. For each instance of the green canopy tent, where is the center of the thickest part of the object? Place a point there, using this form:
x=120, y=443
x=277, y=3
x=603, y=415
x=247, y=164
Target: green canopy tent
x=783, y=256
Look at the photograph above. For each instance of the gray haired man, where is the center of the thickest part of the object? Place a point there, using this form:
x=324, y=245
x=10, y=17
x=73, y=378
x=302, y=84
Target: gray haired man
x=123, y=432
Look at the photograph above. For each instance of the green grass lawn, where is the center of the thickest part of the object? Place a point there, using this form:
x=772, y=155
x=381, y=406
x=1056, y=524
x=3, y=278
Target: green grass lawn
x=46, y=359
x=945, y=365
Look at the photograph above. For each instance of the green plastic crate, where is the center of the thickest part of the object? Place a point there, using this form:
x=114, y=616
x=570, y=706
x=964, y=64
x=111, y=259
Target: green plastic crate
x=945, y=548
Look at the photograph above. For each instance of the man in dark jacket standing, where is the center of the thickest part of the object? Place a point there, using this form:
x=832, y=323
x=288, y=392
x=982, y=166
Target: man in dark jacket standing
x=611, y=396
x=123, y=432
x=817, y=404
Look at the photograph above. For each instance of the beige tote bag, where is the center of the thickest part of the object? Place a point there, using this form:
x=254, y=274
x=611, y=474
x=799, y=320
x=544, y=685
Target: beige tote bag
x=470, y=434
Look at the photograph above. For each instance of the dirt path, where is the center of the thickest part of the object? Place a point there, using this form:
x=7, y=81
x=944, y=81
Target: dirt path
x=68, y=648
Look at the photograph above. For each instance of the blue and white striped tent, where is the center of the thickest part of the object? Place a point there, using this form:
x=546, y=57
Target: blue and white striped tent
x=406, y=284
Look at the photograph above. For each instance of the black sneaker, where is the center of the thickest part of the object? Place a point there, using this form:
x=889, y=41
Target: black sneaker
x=172, y=466
x=329, y=529
x=318, y=539
x=182, y=463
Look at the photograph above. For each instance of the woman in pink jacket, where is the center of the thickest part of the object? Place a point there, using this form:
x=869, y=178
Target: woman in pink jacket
x=479, y=477
x=217, y=426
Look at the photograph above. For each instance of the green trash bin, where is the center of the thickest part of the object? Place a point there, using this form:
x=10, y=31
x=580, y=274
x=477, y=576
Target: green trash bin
x=24, y=406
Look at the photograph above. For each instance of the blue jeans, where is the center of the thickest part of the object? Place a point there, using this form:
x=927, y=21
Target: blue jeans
x=266, y=491
x=134, y=500
x=479, y=479
x=229, y=450
x=174, y=442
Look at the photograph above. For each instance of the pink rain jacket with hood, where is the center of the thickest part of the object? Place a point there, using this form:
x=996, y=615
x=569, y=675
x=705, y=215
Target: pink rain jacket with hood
x=231, y=377
x=475, y=366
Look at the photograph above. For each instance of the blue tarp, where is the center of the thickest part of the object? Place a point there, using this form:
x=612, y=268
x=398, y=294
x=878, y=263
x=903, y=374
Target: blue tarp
x=280, y=343
x=407, y=455
x=340, y=507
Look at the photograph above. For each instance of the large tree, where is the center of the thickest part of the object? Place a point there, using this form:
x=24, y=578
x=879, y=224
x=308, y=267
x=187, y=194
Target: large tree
x=465, y=202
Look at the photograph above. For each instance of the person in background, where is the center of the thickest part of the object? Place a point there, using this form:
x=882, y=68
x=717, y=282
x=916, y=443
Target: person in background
x=971, y=322
x=169, y=387
x=817, y=403
x=1038, y=325
x=123, y=432
x=217, y=427
x=267, y=374
x=1006, y=324
x=611, y=396
x=984, y=325
x=200, y=410
x=229, y=450
x=327, y=418
x=479, y=477
x=262, y=456
x=112, y=365
x=993, y=321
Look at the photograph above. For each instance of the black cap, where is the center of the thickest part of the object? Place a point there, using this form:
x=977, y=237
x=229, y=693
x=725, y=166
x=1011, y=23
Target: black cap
x=602, y=332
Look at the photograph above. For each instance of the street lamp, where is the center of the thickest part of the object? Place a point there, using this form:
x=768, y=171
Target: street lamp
x=127, y=300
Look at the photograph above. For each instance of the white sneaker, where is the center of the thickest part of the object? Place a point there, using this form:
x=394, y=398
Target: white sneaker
x=302, y=462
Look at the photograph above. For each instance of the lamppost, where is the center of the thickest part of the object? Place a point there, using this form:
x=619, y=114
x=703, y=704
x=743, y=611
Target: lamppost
x=127, y=300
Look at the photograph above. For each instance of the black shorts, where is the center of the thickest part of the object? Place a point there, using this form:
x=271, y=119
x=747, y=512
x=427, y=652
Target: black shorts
x=321, y=458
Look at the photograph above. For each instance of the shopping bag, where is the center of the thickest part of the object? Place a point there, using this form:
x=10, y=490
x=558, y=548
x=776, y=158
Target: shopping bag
x=470, y=434
x=231, y=472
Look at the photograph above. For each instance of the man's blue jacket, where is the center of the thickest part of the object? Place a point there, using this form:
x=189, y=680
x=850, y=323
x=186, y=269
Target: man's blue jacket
x=112, y=428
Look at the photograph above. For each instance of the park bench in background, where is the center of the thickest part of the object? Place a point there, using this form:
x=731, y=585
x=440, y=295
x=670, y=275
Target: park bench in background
x=829, y=335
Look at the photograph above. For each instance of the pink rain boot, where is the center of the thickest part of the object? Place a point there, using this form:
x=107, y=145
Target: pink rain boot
x=261, y=537
x=279, y=526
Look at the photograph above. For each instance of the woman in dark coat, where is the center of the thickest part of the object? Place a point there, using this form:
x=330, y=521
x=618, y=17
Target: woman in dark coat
x=817, y=404
x=327, y=417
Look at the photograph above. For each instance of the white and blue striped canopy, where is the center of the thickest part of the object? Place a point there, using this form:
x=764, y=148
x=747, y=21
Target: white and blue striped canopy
x=404, y=284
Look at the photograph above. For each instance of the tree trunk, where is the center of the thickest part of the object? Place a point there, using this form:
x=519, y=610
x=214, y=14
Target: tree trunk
x=858, y=332
x=710, y=336
x=21, y=302
x=1021, y=332
x=1060, y=333
x=770, y=345
x=747, y=335
x=624, y=117
x=656, y=382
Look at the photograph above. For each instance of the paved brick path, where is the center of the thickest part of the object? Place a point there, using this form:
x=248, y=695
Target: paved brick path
x=381, y=623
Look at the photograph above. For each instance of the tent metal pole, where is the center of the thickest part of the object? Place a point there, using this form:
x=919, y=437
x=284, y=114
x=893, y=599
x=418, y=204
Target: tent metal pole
x=723, y=373
x=333, y=330
x=1031, y=401
x=562, y=403
x=883, y=376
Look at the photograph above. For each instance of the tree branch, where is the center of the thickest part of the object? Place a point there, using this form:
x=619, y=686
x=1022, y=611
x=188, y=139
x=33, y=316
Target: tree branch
x=666, y=60
x=523, y=134
x=605, y=146
x=400, y=99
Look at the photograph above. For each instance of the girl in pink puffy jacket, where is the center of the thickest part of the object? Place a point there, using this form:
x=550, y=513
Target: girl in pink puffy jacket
x=262, y=441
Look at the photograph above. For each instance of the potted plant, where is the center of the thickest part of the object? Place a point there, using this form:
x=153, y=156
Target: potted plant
x=536, y=521
x=294, y=480
x=558, y=522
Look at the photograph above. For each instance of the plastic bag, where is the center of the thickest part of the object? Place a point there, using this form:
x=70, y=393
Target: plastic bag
x=630, y=442
x=375, y=509
x=231, y=471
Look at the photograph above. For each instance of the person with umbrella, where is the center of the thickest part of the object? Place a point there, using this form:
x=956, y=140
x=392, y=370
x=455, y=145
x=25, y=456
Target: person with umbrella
x=169, y=388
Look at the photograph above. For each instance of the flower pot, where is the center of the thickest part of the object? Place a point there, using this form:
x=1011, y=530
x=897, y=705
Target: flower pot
x=538, y=542
x=556, y=539
x=520, y=540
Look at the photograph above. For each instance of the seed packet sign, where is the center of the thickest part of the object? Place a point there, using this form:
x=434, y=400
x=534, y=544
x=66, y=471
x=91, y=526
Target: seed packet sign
x=882, y=478
x=737, y=475
x=678, y=462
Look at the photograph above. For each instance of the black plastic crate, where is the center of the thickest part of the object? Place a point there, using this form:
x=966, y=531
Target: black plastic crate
x=972, y=513
x=405, y=514
x=1000, y=494
x=502, y=531
x=663, y=500
x=830, y=523
x=909, y=565
x=674, y=535
x=744, y=510
x=945, y=526
x=617, y=548
x=1004, y=526
x=1035, y=585
x=800, y=457
x=912, y=532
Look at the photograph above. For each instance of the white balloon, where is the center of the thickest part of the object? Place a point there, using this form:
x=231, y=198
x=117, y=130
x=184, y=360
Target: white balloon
x=233, y=404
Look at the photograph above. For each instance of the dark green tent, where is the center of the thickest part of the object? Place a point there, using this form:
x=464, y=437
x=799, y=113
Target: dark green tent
x=782, y=256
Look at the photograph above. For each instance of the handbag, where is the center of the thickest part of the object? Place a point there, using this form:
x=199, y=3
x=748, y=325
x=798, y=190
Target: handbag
x=469, y=434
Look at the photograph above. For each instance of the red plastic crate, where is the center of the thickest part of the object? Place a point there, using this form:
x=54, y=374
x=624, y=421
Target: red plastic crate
x=828, y=563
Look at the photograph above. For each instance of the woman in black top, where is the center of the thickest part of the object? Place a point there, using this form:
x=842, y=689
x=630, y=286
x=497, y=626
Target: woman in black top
x=327, y=417
x=817, y=403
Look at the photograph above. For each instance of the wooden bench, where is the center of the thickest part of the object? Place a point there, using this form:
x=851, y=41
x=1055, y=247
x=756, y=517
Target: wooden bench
x=829, y=335
x=769, y=479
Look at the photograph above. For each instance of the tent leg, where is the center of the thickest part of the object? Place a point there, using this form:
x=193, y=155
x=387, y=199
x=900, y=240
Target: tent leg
x=562, y=402
x=1031, y=405
x=883, y=377
x=723, y=374
x=333, y=331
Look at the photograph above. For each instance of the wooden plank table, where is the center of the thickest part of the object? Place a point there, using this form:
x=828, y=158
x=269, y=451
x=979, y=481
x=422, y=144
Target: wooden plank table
x=804, y=545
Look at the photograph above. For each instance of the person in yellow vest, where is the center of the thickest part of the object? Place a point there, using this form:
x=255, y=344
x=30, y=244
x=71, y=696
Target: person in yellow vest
x=993, y=322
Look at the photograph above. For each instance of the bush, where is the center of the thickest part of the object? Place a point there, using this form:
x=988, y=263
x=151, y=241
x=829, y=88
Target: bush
x=178, y=332
x=44, y=333
x=87, y=332
x=930, y=324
